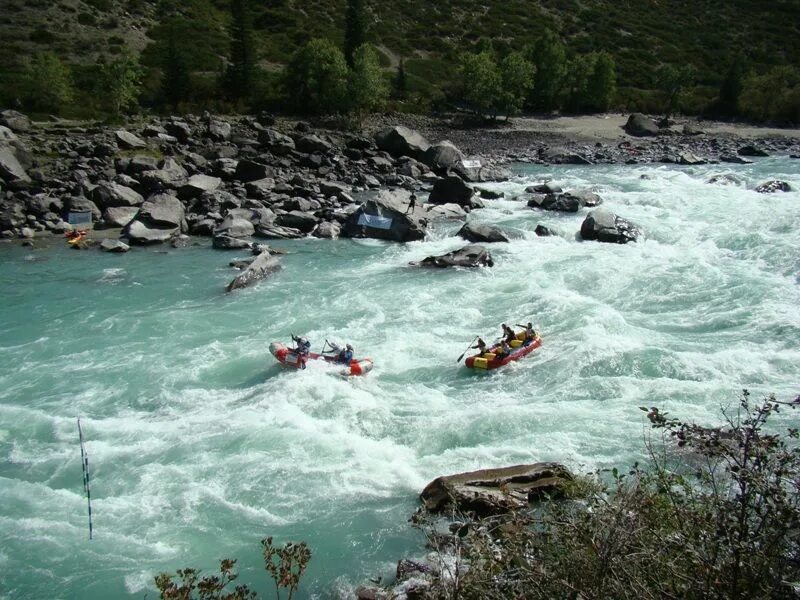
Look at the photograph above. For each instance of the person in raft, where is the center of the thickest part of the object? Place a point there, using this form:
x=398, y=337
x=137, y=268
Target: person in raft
x=480, y=346
x=530, y=332
x=303, y=345
x=504, y=349
x=508, y=333
x=346, y=355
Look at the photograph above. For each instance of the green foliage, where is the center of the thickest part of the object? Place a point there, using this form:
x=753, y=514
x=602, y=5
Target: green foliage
x=773, y=96
x=517, y=80
x=576, y=86
x=673, y=81
x=48, y=83
x=175, y=82
x=716, y=514
x=355, y=29
x=285, y=565
x=400, y=81
x=239, y=75
x=119, y=83
x=316, y=78
x=731, y=88
x=481, y=81
x=602, y=85
x=366, y=88
x=550, y=59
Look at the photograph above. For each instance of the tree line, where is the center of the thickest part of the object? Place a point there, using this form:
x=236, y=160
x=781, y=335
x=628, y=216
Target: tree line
x=323, y=78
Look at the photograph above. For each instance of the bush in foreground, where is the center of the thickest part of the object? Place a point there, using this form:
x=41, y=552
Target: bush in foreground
x=715, y=515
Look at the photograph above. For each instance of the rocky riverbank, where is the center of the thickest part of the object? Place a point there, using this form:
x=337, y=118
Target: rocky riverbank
x=239, y=178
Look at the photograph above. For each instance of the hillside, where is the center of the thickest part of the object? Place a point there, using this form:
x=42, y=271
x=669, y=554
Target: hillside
x=429, y=35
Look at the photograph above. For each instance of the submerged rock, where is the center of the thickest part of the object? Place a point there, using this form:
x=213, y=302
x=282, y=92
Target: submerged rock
x=263, y=265
x=565, y=201
x=493, y=491
x=604, y=226
x=468, y=256
x=770, y=187
x=116, y=246
x=481, y=232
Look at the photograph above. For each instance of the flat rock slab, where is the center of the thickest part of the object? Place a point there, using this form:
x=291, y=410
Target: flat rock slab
x=263, y=265
x=494, y=491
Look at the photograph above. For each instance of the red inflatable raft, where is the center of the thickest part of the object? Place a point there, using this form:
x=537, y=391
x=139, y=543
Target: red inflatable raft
x=287, y=356
x=490, y=360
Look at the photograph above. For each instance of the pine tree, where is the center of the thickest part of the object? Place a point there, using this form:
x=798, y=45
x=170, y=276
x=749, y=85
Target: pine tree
x=400, y=82
x=355, y=29
x=731, y=89
x=239, y=76
x=550, y=58
x=175, y=83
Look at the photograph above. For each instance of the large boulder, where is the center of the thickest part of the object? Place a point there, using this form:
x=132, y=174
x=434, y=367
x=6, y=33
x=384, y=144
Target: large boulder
x=468, y=256
x=640, y=126
x=276, y=142
x=436, y=212
x=384, y=217
x=119, y=216
x=169, y=176
x=263, y=265
x=197, y=185
x=402, y=141
x=443, y=156
x=129, y=141
x=235, y=227
x=312, y=143
x=10, y=167
x=452, y=190
x=297, y=219
x=115, y=246
x=248, y=170
x=107, y=195
x=276, y=232
x=15, y=121
x=604, y=226
x=159, y=218
x=481, y=232
x=495, y=491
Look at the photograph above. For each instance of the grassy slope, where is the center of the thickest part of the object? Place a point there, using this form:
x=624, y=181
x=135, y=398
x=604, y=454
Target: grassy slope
x=640, y=34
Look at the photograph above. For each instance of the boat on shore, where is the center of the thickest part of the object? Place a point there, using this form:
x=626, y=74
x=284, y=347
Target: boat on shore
x=489, y=360
x=286, y=355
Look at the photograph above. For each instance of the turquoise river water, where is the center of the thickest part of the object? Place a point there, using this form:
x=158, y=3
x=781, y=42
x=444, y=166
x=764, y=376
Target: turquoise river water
x=200, y=444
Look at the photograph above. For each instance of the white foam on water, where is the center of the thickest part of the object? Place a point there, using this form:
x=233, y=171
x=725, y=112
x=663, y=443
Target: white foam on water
x=199, y=442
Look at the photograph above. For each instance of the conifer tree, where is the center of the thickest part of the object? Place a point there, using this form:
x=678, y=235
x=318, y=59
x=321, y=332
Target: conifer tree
x=355, y=32
x=400, y=81
x=239, y=76
x=175, y=83
x=731, y=88
x=550, y=58
x=602, y=84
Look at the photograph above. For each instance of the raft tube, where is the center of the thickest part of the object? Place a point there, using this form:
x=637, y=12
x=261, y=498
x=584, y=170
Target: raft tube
x=489, y=360
x=287, y=356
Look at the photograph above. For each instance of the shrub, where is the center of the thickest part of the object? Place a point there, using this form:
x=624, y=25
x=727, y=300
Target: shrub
x=367, y=89
x=317, y=78
x=715, y=515
x=48, y=83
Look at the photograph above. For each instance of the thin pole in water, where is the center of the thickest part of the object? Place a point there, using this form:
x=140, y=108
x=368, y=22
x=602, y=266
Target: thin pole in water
x=85, y=467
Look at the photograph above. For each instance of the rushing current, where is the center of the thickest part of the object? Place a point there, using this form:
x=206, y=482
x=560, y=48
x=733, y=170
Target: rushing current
x=200, y=444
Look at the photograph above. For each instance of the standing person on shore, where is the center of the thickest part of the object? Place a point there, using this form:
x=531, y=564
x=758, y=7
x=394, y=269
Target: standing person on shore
x=412, y=203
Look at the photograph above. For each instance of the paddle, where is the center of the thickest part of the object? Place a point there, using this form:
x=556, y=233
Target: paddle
x=458, y=360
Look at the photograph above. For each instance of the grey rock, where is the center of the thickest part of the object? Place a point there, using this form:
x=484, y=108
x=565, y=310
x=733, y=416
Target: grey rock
x=452, y=189
x=236, y=227
x=604, y=226
x=732, y=158
x=107, y=195
x=751, y=150
x=392, y=222
x=442, y=156
x=227, y=242
x=402, y=141
x=162, y=210
x=119, y=216
x=127, y=140
x=468, y=256
x=770, y=187
x=543, y=231
x=116, y=246
x=197, y=185
x=490, y=194
x=544, y=188
x=248, y=170
x=688, y=158
x=328, y=230
x=276, y=142
x=81, y=204
x=276, y=232
x=481, y=232
x=638, y=125
x=311, y=144
x=296, y=219
x=15, y=121
x=179, y=130
x=263, y=265
x=219, y=130
x=444, y=211
x=495, y=491
x=141, y=233
x=10, y=167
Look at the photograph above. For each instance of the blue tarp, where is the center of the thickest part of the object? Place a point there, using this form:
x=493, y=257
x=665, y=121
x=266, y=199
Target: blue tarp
x=375, y=221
